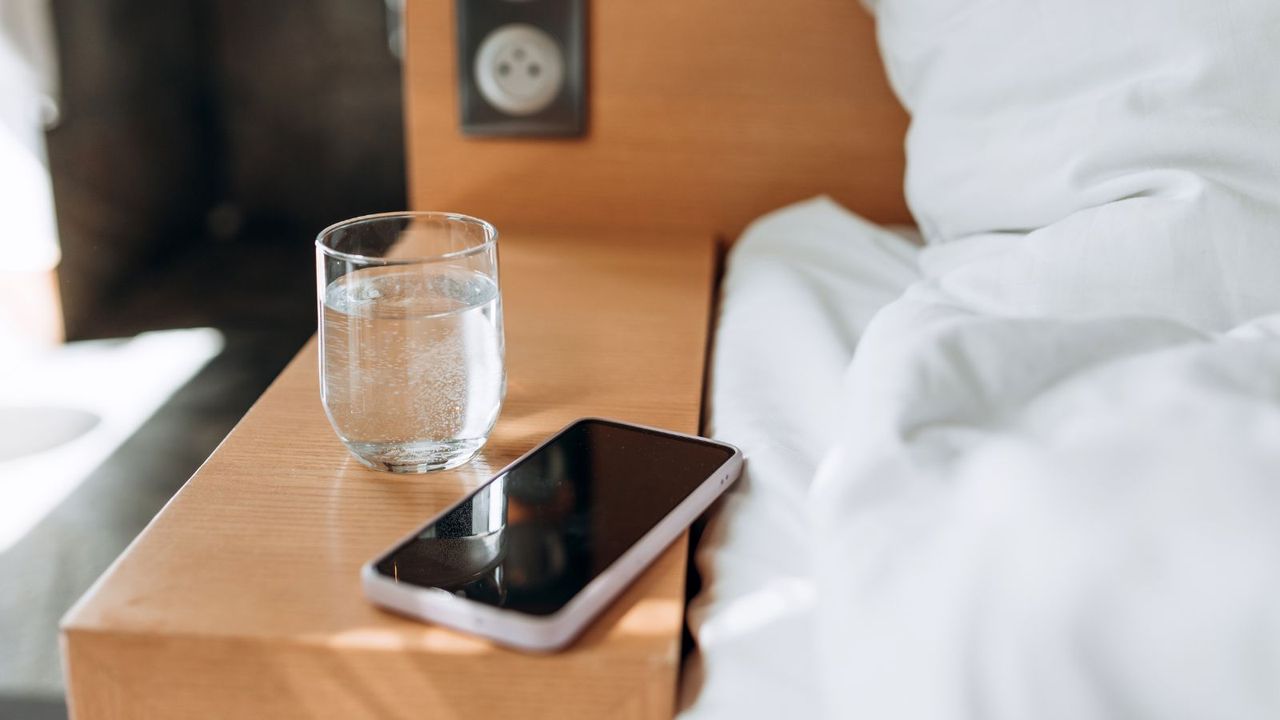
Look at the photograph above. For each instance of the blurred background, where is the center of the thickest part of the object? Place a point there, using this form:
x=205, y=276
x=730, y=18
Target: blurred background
x=164, y=168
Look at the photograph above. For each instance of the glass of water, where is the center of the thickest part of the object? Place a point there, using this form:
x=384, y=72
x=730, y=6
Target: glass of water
x=411, y=346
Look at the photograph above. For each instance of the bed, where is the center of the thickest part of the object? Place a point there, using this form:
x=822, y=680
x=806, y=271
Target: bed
x=1020, y=462
x=1031, y=469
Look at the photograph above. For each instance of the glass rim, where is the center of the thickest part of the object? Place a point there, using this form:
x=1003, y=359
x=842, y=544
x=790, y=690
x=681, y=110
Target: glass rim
x=490, y=240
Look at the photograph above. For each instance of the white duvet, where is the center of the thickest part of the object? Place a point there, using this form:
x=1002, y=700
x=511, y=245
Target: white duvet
x=1032, y=470
x=981, y=516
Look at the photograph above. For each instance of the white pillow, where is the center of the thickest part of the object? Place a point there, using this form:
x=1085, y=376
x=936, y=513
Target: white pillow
x=1144, y=133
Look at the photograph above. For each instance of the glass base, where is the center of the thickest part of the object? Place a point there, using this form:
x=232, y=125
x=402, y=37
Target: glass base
x=415, y=457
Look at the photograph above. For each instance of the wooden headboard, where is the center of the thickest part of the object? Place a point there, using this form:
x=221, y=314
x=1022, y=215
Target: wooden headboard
x=703, y=114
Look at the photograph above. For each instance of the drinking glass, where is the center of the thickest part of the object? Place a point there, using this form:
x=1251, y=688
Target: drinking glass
x=411, y=346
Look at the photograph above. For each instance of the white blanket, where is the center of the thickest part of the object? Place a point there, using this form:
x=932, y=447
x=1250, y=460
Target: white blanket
x=1052, y=518
x=989, y=515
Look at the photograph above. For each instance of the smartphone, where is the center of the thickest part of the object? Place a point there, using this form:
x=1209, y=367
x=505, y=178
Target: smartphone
x=533, y=555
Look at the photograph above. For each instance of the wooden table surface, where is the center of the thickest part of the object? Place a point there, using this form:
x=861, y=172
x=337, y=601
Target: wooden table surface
x=242, y=598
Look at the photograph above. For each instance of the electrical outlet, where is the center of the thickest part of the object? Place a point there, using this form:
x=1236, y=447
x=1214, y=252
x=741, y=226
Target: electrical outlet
x=519, y=69
x=522, y=67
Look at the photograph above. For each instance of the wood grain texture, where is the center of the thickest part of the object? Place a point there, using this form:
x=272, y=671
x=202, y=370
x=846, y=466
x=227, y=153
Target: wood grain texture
x=242, y=597
x=703, y=115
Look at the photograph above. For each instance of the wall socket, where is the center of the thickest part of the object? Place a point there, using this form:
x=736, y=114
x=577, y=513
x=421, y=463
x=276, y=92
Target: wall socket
x=522, y=67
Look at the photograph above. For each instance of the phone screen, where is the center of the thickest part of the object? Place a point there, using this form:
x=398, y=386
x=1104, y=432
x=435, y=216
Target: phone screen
x=535, y=535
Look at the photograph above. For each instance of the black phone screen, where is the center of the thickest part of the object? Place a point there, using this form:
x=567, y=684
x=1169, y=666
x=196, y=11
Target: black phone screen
x=537, y=533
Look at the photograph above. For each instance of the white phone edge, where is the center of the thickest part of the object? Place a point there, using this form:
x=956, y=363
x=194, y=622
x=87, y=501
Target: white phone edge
x=550, y=632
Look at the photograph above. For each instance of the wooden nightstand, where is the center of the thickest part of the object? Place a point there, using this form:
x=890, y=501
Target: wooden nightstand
x=242, y=597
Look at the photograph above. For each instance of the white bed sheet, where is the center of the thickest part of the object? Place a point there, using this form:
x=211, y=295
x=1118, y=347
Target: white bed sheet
x=800, y=287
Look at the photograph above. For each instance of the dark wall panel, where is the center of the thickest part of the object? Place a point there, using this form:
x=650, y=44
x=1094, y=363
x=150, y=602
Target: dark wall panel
x=193, y=122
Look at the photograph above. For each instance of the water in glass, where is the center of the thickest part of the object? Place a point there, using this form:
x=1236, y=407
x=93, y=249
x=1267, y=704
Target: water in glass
x=412, y=363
